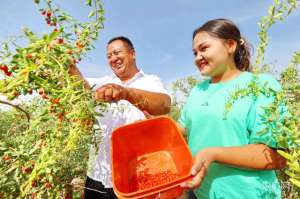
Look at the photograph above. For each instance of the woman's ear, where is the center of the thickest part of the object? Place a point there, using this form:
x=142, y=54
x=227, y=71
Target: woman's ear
x=231, y=45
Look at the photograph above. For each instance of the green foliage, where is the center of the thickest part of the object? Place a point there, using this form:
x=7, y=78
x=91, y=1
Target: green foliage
x=41, y=157
x=278, y=11
x=180, y=91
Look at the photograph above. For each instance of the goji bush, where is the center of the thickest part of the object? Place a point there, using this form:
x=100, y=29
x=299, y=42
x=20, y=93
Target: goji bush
x=41, y=159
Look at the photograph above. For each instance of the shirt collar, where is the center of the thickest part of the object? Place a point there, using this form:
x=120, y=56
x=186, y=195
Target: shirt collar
x=135, y=77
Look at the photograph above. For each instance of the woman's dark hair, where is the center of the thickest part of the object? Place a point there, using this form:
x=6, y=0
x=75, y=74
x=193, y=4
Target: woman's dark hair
x=226, y=29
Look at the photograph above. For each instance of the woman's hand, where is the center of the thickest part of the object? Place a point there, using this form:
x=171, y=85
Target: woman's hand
x=202, y=161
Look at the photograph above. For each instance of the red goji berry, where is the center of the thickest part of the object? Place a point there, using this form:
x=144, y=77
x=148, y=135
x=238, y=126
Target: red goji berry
x=6, y=158
x=56, y=100
x=49, y=13
x=44, y=96
x=29, y=56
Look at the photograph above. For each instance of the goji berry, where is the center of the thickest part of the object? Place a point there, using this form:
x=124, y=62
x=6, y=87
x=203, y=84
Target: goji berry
x=26, y=170
x=29, y=91
x=33, y=183
x=29, y=56
x=60, y=41
x=48, y=185
x=6, y=158
x=56, y=100
x=16, y=93
x=41, y=91
x=49, y=13
x=44, y=96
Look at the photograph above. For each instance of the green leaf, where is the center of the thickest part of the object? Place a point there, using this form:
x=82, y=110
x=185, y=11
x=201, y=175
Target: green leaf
x=92, y=13
x=53, y=36
x=29, y=34
x=89, y=2
x=37, y=1
x=285, y=155
x=295, y=182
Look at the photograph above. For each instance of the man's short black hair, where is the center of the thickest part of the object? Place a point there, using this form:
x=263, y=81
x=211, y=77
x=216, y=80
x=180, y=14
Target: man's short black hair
x=124, y=39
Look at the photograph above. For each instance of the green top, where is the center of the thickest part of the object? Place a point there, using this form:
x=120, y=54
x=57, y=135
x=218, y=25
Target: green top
x=203, y=118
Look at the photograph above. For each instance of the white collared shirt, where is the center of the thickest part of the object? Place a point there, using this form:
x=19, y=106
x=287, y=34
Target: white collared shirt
x=118, y=114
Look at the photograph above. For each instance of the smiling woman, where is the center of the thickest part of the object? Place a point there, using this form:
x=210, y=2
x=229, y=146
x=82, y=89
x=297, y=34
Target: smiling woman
x=212, y=45
x=230, y=153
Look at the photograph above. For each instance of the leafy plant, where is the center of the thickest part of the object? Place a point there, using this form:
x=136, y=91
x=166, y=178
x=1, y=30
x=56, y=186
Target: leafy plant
x=41, y=159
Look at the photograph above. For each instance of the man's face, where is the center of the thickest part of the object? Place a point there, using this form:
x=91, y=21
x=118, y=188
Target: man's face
x=121, y=59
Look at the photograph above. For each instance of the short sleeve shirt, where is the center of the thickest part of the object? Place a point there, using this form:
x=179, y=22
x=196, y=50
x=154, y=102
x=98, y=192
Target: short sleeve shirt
x=118, y=114
x=207, y=126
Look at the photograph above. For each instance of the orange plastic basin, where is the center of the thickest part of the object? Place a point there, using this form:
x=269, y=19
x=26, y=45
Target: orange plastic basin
x=150, y=158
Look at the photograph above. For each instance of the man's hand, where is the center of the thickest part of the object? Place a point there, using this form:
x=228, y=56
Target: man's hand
x=73, y=70
x=111, y=93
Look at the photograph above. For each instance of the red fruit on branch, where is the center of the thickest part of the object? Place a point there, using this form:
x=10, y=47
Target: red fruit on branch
x=6, y=158
x=79, y=44
x=49, y=13
x=60, y=117
x=29, y=91
x=41, y=91
x=33, y=183
x=8, y=73
x=68, y=51
x=60, y=41
x=44, y=96
x=4, y=68
x=48, y=185
x=29, y=56
x=16, y=93
x=56, y=101
x=43, y=12
x=26, y=170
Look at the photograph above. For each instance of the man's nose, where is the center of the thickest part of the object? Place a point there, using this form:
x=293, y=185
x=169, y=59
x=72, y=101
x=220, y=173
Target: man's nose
x=198, y=57
x=113, y=58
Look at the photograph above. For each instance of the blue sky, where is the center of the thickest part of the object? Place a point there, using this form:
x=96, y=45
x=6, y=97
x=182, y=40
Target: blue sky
x=160, y=30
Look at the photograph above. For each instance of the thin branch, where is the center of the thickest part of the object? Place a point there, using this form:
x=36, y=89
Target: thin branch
x=17, y=107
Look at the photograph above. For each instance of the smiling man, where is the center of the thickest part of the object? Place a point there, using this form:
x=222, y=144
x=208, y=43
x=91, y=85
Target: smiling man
x=131, y=94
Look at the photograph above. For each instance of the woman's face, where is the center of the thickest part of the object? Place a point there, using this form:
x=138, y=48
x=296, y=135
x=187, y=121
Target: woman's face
x=212, y=55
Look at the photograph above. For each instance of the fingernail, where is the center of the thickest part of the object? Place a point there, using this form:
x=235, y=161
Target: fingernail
x=193, y=171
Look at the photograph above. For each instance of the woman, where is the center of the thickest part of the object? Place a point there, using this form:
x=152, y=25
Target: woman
x=232, y=159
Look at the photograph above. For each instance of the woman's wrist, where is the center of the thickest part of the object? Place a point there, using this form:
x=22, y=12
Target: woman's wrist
x=213, y=153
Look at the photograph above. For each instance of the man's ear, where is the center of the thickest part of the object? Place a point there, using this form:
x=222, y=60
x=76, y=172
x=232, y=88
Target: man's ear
x=132, y=51
x=231, y=46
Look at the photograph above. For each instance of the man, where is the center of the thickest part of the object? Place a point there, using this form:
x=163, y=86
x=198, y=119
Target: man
x=130, y=88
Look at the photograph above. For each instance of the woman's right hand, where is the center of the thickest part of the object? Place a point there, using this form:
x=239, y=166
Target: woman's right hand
x=202, y=161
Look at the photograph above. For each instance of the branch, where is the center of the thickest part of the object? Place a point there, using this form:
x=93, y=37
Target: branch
x=16, y=107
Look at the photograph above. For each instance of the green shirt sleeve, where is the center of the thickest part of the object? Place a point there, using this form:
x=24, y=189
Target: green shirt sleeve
x=262, y=129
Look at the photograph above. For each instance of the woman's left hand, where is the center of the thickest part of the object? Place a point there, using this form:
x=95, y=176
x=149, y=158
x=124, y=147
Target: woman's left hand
x=202, y=161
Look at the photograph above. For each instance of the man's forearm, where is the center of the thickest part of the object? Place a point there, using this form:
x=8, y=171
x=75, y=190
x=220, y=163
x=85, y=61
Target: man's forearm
x=252, y=156
x=152, y=102
x=73, y=70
